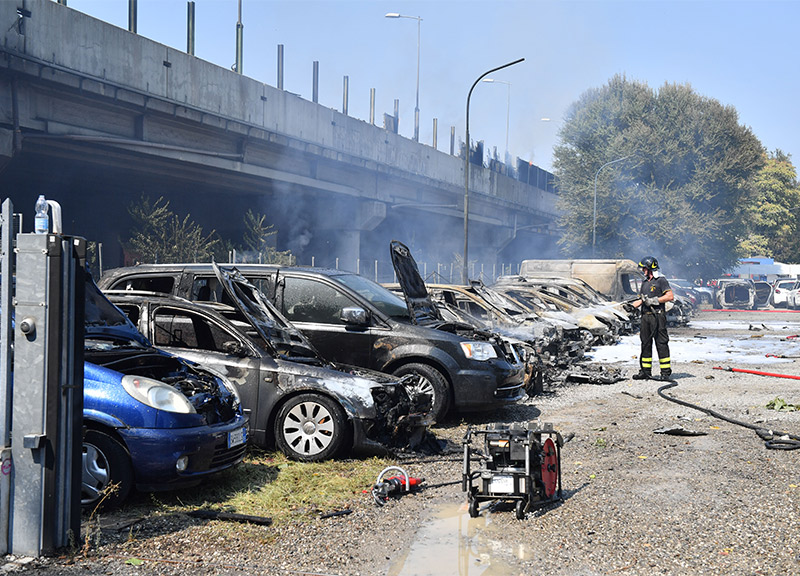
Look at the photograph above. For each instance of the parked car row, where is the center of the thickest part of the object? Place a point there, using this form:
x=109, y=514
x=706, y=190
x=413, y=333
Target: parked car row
x=351, y=320
x=295, y=400
x=742, y=293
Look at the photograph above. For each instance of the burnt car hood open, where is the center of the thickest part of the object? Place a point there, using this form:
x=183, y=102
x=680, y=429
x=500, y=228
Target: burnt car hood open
x=275, y=330
x=420, y=304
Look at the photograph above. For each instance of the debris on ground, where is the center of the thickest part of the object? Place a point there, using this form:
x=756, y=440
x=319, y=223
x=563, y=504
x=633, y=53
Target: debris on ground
x=678, y=431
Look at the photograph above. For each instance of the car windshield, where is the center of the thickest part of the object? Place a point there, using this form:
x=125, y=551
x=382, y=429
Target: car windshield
x=384, y=300
x=104, y=343
x=101, y=312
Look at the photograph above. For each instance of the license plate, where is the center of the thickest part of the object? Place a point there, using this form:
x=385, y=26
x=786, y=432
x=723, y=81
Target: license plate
x=501, y=484
x=237, y=437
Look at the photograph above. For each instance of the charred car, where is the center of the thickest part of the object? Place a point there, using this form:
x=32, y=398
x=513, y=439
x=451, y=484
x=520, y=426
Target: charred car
x=306, y=407
x=731, y=293
x=581, y=295
x=603, y=326
x=352, y=320
x=548, y=344
x=151, y=420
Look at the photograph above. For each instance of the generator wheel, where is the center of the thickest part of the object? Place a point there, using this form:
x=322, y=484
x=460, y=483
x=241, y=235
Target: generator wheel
x=549, y=468
x=519, y=510
x=473, y=507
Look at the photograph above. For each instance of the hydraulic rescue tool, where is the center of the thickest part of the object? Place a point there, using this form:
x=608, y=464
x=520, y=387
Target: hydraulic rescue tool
x=396, y=485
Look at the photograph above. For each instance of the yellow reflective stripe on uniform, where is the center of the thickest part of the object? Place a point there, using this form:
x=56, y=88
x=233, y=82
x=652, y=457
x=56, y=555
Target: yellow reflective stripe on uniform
x=664, y=362
x=647, y=362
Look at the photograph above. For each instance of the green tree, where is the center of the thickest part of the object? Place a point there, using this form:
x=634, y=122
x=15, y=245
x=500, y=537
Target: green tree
x=773, y=215
x=259, y=242
x=160, y=235
x=680, y=194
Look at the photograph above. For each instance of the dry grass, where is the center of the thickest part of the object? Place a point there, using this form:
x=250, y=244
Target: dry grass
x=268, y=484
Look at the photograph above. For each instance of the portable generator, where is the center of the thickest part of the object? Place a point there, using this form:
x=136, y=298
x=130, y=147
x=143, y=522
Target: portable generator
x=520, y=462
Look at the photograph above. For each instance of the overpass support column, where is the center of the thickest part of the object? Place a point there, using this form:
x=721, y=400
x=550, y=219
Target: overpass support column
x=344, y=229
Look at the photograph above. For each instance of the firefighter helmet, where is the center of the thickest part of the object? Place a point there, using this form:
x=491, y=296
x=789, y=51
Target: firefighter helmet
x=649, y=263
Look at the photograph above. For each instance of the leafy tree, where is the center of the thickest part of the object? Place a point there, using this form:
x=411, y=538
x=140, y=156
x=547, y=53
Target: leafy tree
x=160, y=235
x=681, y=193
x=773, y=216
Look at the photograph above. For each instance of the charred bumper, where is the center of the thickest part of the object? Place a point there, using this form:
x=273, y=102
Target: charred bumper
x=399, y=423
x=498, y=384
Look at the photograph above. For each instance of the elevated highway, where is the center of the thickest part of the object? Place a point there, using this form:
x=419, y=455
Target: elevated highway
x=95, y=117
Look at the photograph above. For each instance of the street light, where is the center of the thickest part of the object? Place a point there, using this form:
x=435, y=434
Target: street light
x=465, y=272
x=508, y=105
x=416, y=108
x=594, y=219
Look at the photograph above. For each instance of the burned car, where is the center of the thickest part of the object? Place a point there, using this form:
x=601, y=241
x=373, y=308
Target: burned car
x=731, y=293
x=548, y=343
x=604, y=327
x=151, y=421
x=309, y=409
x=353, y=320
x=581, y=295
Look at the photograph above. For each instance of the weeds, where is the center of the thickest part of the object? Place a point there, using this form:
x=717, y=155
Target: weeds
x=93, y=522
x=268, y=484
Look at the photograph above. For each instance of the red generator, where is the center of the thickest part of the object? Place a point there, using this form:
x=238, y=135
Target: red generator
x=519, y=462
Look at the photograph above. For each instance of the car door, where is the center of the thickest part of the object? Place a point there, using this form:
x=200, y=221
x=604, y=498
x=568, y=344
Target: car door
x=198, y=337
x=315, y=308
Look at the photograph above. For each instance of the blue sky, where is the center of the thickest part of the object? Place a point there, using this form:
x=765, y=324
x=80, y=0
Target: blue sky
x=741, y=53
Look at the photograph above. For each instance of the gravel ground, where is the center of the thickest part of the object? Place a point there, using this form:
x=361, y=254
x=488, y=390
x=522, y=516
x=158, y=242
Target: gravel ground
x=634, y=502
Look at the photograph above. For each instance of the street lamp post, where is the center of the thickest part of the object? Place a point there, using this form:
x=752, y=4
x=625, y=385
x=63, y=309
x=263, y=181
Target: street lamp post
x=465, y=271
x=594, y=217
x=508, y=105
x=416, y=107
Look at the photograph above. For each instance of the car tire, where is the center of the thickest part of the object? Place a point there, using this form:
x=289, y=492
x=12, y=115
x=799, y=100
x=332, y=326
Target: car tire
x=106, y=471
x=433, y=383
x=310, y=428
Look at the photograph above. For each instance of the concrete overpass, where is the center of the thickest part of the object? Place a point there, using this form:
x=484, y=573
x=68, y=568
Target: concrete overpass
x=95, y=116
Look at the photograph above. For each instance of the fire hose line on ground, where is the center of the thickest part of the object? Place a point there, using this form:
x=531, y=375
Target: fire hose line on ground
x=772, y=440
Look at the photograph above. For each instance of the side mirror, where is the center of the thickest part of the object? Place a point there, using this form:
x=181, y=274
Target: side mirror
x=234, y=348
x=354, y=316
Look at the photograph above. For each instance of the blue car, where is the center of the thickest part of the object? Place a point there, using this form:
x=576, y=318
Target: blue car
x=151, y=420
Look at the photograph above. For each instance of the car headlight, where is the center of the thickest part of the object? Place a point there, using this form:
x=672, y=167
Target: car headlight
x=478, y=350
x=157, y=394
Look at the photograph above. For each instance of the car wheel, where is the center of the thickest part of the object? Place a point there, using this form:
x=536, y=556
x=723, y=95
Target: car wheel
x=107, y=473
x=310, y=428
x=431, y=382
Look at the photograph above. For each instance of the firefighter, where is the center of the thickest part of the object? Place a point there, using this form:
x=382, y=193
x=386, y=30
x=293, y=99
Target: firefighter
x=653, y=295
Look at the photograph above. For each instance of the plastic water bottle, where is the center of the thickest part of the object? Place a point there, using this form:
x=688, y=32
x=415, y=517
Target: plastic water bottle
x=41, y=222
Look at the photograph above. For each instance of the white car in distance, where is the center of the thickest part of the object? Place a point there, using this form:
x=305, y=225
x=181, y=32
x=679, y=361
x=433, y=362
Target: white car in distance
x=780, y=292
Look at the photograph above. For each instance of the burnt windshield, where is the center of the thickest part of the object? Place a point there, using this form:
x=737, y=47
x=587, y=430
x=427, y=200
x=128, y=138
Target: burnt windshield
x=384, y=300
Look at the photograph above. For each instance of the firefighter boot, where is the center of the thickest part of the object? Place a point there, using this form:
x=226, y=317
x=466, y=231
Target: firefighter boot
x=666, y=375
x=642, y=375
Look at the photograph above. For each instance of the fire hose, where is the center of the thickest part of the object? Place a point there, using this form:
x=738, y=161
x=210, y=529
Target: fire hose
x=759, y=372
x=772, y=440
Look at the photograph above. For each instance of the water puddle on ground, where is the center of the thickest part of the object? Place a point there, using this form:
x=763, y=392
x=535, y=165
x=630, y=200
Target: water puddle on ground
x=452, y=543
